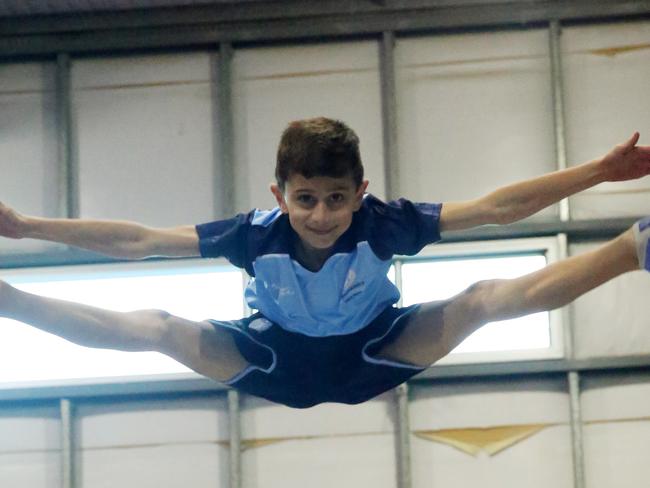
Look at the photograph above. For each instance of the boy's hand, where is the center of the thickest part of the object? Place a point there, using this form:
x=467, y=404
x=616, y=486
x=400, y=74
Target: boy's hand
x=11, y=223
x=627, y=161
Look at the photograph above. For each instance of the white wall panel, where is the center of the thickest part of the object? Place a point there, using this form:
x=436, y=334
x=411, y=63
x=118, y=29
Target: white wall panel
x=616, y=397
x=327, y=445
x=488, y=404
x=30, y=447
x=538, y=462
x=168, y=466
x=30, y=469
x=145, y=135
x=474, y=113
x=168, y=443
x=263, y=419
x=28, y=143
x=609, y=321
x=606, y=70
x=34, y=429
x=367, y=461
x=274, y=86
x=541, y=460
x=617, y=416
x=151, y=422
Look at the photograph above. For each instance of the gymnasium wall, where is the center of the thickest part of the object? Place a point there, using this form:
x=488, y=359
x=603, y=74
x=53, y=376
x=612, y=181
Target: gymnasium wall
x=474, y=113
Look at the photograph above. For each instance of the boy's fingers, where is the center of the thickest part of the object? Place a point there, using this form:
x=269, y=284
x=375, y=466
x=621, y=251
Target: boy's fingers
x=632, y=141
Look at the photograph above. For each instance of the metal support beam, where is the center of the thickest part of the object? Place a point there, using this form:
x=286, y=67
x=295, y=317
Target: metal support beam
x=576, y=430
x=67, y=444
x=235, y=439
x=224, y=169
x=557, y=90
x=68, y=170
x=403, y=437
x=389, y=113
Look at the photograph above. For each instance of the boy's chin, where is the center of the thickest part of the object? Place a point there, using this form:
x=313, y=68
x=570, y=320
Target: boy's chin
x=319, y=244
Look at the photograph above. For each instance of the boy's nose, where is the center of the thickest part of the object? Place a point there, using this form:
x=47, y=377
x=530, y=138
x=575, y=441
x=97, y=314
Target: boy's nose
x=320, y=214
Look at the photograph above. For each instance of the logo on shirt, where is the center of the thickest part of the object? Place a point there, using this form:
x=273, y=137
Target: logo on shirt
x=260, y=325
x=349, y=280
x=351, y=287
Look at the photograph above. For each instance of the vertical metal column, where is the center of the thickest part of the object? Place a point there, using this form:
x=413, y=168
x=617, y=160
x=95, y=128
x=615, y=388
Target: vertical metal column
x=573, y=377
x=391, y=185
x=224, y=169
x=389, y=113
x=68, y=167
x=404, y=437
x=576, y=430
x=235, y=439
x=67, y=444
x=557, y=91
x=567, y=329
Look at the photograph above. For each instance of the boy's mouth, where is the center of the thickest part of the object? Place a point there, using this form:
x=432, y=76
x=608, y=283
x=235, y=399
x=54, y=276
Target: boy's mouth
x=321, y=232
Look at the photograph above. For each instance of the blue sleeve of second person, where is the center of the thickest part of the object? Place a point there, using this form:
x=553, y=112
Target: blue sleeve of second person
x=404, y=227
x=226, y=238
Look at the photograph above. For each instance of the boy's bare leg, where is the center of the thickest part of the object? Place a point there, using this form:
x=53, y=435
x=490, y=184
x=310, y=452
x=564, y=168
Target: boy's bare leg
x=438, y=327
x=198, y=345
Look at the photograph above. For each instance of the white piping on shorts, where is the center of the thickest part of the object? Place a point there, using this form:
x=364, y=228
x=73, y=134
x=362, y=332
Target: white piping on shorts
x=251, y=367
x=388, y=362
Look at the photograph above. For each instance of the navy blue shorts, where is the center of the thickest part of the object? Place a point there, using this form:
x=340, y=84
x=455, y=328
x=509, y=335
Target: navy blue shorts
x=302, y=371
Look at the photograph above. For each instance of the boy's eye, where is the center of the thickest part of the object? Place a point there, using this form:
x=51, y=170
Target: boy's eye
x=305, y=199
x=337, y=197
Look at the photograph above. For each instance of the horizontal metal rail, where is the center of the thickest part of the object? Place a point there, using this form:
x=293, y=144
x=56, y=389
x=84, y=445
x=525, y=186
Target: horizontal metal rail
x=580, y=230
x=189, y=384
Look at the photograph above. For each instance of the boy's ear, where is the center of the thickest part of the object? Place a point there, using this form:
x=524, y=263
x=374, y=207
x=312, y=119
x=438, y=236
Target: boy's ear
x=360, y=193
x=279, y=198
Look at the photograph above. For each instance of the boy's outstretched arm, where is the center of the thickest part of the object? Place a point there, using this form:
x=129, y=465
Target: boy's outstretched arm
x=514, y=202
x=112, y=238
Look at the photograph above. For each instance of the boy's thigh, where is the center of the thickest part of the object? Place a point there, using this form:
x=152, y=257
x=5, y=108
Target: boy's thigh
x=204, y=347
x=431, y=333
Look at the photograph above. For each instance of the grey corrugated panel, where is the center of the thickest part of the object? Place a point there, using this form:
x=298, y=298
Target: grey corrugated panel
x=12, y=8
x=285, y=21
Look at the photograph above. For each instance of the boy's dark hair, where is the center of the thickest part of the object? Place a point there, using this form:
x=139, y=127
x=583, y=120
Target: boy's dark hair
x=318, y=147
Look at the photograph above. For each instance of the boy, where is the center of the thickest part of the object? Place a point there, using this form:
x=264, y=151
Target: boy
x=327, y=329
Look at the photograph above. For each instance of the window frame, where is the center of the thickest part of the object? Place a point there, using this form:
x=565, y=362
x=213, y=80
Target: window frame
x=150, y=267
x=549, y=247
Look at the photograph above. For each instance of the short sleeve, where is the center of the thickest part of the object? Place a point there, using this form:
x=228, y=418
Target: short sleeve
x=402, y=226
x=226, y=238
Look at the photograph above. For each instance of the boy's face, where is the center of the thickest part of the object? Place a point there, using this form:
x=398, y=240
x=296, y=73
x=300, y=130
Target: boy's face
x=320, y=208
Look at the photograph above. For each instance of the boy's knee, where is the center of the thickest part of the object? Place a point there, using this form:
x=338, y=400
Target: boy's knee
x=479, y=298
x=152, y=329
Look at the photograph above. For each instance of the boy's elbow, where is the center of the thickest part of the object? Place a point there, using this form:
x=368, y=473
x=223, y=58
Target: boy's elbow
x=138, y=247
x=505, y=216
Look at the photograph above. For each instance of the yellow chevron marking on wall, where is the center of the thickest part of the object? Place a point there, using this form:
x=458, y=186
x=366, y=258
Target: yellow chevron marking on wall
x=490, y=439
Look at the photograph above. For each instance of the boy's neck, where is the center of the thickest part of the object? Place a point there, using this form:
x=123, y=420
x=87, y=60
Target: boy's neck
x=310, y=257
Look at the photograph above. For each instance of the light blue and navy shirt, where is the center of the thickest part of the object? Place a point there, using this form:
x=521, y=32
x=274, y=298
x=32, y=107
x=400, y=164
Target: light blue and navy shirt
x=351, y=288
